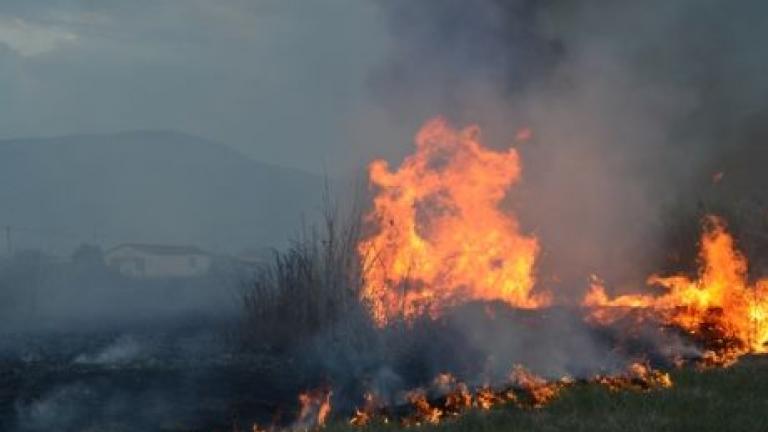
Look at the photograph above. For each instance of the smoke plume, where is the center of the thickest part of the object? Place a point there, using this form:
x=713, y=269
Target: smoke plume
x=633, y=107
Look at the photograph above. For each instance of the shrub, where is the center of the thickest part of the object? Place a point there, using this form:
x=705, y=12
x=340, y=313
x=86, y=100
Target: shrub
x=311, y=288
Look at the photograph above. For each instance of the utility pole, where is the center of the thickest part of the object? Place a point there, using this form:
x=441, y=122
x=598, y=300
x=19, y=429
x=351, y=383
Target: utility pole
x=8, y=243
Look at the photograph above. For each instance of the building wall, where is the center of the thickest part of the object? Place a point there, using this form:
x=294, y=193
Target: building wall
x=137, y=263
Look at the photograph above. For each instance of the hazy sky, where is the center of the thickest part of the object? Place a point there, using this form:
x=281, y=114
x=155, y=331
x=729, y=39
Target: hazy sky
x=280, y=80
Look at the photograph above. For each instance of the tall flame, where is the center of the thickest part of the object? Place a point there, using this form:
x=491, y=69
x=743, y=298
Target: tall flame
x=440, y=235
x=720, y=297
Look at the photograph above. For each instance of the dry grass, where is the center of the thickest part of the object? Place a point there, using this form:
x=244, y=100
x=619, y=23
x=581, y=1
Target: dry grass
x=309, y=290
x=731, y=399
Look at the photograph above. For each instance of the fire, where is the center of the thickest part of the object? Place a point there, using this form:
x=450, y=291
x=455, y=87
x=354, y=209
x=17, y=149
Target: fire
x=719, y=306
x=638, y=377
x=597, y=297
x=458, y=396
x=539, y=391
x=314, y=408
x=448, y=397
x=424, y=412
x=441, y=237
x=486, y=398
x=524, y=390
x=369, y=411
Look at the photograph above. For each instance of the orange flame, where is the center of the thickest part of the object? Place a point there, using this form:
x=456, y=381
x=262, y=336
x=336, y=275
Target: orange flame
x=424, y=412
x=538, y=390
x=486, y=399
x=440, y=236
x=638, y=376
x=524, y=390
x=365, y=415
x=719, y=300
x=315, y=406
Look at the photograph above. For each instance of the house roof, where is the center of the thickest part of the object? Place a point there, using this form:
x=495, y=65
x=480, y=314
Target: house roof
x=157, y=249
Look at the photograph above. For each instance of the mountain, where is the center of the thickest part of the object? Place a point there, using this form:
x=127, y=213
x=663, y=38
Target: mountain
x=158, y=187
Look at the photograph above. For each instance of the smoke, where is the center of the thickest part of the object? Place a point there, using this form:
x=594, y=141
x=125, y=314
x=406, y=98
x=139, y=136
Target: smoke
x=632, y=105
x=122, y=350
x=95, y=406
x=180, y=378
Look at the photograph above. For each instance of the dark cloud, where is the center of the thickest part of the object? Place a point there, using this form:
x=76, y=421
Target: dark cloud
x=276, y=79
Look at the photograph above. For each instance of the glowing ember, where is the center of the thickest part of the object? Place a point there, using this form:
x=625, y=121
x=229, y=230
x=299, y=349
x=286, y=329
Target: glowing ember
x=441, y=238
x=368, y=412
x=719, y=307
x=638, y=377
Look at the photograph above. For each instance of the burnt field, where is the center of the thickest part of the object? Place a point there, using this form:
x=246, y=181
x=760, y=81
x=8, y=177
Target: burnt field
x=427, y=309
x=283, y=216
x=175, y=380
x=170, y=376
x=201, y=374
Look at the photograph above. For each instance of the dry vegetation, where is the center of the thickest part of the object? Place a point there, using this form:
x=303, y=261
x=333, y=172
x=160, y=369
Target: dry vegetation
x=310, y=290
x=719, y=400
x=308, y=297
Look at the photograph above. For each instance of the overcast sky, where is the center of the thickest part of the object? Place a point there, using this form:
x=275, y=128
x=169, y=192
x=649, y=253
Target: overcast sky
x=280, y=80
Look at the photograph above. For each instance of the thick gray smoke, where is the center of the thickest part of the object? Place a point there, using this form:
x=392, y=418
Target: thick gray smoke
x=634, y=106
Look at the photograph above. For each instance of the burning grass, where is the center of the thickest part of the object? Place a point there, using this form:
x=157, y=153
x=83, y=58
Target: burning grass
x=524, y=391
x=437, y=292
x=719, y=308
x=711, y=400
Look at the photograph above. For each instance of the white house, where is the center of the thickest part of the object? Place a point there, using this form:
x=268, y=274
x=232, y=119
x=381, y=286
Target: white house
x=158, y=261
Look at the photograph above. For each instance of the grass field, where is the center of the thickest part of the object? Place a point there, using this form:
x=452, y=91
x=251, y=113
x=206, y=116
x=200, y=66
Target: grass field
x=733, y=399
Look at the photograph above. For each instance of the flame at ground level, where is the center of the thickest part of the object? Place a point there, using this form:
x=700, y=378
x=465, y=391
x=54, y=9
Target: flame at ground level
x=523, y=389
x=441, y=239
x=719, y=305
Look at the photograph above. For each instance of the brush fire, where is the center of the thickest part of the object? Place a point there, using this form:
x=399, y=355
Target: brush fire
x=718, y=307
x=443, y=236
